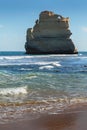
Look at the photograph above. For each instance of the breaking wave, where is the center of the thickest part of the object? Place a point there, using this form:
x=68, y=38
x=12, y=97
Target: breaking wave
x=13, y=91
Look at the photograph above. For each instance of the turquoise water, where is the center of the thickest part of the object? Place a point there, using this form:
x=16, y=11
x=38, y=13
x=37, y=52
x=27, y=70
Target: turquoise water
x=40, y=84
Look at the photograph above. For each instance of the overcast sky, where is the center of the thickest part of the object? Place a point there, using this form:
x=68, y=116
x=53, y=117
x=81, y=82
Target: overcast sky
x=18, y=15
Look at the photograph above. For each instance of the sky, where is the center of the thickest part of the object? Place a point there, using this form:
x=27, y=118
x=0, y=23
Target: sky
x=18, y=15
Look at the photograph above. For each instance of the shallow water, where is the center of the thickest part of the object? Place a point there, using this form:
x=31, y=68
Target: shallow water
x=40, y=83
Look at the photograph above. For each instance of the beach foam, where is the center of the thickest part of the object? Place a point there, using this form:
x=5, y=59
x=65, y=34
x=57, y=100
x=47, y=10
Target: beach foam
x=46, y=67
x=13, y=91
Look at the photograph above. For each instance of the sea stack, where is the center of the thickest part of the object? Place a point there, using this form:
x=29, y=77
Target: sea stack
x=50, y=35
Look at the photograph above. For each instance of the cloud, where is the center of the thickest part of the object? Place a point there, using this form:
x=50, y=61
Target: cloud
x=84, y=29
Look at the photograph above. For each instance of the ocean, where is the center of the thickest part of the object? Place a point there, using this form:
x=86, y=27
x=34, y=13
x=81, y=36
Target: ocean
x=31, y=85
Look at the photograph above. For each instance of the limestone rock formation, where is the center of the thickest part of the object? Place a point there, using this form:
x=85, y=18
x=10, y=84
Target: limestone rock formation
x=50, y=35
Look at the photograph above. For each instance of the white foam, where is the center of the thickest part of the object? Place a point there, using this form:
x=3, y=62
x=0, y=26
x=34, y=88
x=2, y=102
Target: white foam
x=25, y=69
x=46, y=67
x=13, y=91
x=43, y=63
x=56, y=64
x=78, y=100
x=47, y=63
x=80, y=54
x=14, y=57
x=31, y=56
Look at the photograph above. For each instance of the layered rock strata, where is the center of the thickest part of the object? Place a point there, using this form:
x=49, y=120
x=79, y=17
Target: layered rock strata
x=50, y=35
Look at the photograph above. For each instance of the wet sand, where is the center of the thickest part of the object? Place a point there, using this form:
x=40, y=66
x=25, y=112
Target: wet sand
x=72, y=119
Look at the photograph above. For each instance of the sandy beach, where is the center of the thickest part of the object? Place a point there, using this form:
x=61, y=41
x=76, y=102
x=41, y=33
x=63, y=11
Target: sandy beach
x=75, y=119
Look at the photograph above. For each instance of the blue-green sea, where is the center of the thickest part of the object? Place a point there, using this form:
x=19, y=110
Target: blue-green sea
x=31, y=85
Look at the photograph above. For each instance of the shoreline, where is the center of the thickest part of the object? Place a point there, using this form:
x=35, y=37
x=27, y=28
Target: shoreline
x=71, y=119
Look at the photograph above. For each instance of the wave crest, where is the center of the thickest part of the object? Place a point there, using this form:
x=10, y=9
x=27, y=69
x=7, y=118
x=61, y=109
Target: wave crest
x=13, y=91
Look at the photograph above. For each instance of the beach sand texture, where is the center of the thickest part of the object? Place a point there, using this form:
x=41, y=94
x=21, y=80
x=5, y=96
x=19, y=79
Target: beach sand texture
x=75, y=119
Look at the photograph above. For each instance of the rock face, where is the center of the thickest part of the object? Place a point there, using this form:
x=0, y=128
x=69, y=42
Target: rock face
x=50, y=35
